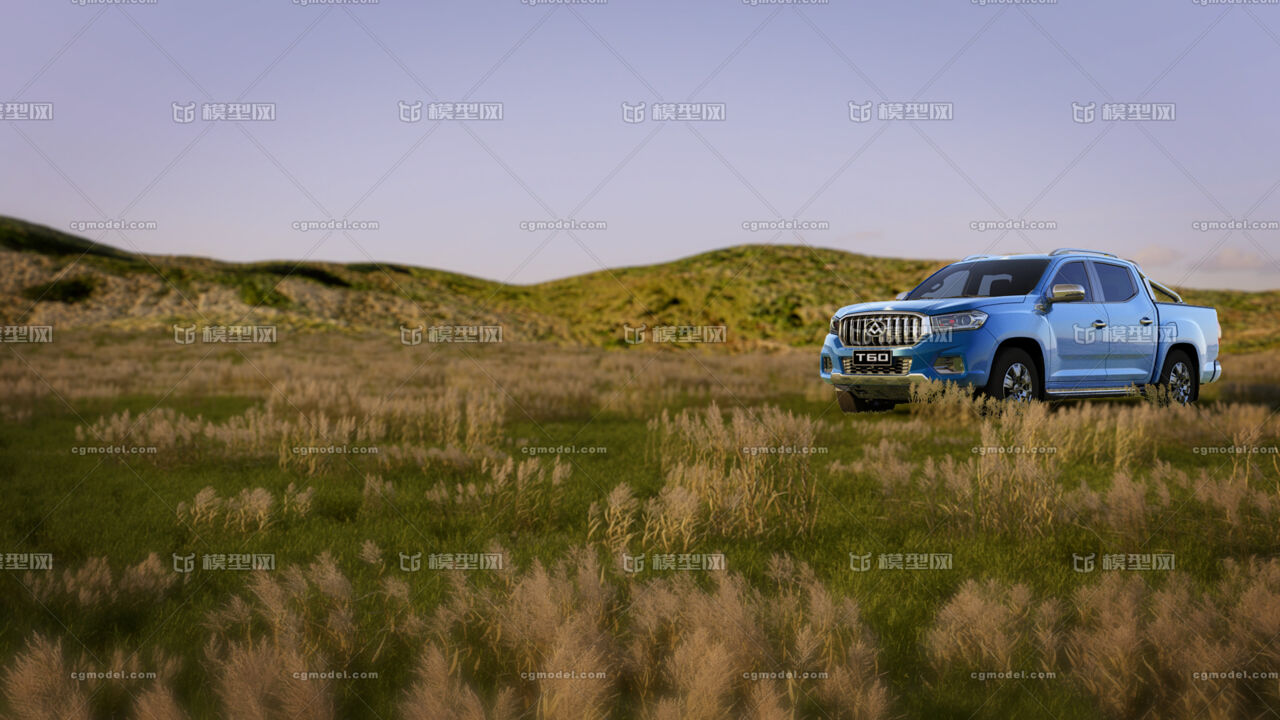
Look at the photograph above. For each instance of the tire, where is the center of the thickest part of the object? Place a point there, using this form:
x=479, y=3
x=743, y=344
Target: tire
x=1179, y=381
x=851, y=403
x=1014, y=377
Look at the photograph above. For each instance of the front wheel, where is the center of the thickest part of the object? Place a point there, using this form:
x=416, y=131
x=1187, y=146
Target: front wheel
x=1179, y=381
x=1014, y=377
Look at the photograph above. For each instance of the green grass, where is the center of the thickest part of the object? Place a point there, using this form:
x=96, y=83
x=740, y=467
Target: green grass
x=23, y=236
x=300, y=270
x=258, y=291
x=57, y=502
x=68, y=291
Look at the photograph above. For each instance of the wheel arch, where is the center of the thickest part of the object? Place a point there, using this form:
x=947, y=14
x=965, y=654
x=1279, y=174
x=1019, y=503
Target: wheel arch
x=1030, y=346
x=1193, y=357
x=1187, y=348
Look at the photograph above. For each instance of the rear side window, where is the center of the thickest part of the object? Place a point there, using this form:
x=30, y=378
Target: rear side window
x=1073, y=273
x=1116, y=281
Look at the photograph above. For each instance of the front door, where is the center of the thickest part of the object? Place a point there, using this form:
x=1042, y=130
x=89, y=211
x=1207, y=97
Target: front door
x=1080, y=359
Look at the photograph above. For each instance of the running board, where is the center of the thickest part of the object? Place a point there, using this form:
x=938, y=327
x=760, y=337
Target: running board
x=1091, y=392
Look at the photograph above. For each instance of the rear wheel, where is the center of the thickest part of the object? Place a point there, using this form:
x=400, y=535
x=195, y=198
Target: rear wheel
x=851, y=403
x=1014, y=377
x=1179, y=380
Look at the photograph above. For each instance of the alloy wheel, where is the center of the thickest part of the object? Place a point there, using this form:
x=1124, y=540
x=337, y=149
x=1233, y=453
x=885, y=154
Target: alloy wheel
x=1180, y=383
x=1017, y=383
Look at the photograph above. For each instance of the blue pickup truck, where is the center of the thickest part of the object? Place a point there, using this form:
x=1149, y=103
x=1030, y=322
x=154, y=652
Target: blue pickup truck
x=1069, y=324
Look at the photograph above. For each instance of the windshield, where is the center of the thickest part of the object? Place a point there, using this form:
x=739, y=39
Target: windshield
x=982, y=278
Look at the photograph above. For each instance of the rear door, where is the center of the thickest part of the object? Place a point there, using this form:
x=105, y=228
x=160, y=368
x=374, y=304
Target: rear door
x=1132, y=327
x=1080, y=360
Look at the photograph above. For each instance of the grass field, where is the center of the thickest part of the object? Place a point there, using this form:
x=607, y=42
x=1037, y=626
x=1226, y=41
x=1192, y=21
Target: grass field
x=551, y=470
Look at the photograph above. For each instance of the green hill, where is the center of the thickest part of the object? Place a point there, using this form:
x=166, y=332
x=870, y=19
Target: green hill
x=765, y=295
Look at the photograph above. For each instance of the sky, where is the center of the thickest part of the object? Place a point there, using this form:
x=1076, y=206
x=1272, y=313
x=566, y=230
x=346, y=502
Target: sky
x=522, y=141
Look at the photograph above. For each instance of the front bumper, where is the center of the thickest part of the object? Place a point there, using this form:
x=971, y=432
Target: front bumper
x=971, y=347
x=878, y=387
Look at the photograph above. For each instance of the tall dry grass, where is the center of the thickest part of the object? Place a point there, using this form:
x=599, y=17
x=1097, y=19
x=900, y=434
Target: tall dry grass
x=1004, y=465
x=372, y=378
x=750, y=476
x=254, y=681
x=250, y=509
x=438, y=694
x=302, y=423
x=299, y=619
x=670, y=646
x=41, y=684
x=990, y=625
x=524, y=492
x=94, y=585
x=615, y=522
x=38, y=684
x=1133, y=650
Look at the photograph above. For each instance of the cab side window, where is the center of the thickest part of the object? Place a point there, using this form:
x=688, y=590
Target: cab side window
x=1073, y=273
x=1116, y=281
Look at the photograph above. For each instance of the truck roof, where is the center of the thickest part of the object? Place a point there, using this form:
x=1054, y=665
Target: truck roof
x=1060, y=252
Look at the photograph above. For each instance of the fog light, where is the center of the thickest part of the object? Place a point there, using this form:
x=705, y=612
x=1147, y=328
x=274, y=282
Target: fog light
x=826, y=364
x=949, y=365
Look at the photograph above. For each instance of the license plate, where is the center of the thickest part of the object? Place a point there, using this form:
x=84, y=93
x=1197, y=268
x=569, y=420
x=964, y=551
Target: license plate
x=874, y=358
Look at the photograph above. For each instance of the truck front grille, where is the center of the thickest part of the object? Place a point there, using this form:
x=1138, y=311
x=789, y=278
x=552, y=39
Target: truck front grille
x=881, y=330
x=901, y=366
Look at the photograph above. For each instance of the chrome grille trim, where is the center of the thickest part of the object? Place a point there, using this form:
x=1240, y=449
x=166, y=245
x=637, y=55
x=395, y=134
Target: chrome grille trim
x=894, y=329
x=901, y=366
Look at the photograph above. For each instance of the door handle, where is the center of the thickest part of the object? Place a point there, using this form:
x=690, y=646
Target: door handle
x=1099, y=324
x=1145, y=321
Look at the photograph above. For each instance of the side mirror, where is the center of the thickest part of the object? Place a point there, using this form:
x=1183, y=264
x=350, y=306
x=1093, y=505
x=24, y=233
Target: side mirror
x=1067, y=292
x=900, y=296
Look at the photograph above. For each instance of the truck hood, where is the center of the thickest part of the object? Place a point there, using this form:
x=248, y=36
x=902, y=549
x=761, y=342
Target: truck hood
x=931, y=307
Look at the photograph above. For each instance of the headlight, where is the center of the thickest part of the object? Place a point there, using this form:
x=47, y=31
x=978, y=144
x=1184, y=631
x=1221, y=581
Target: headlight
x=834, y=329
x=968, y=320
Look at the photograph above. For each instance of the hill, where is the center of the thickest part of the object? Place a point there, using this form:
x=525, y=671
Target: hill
x=766, y=295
